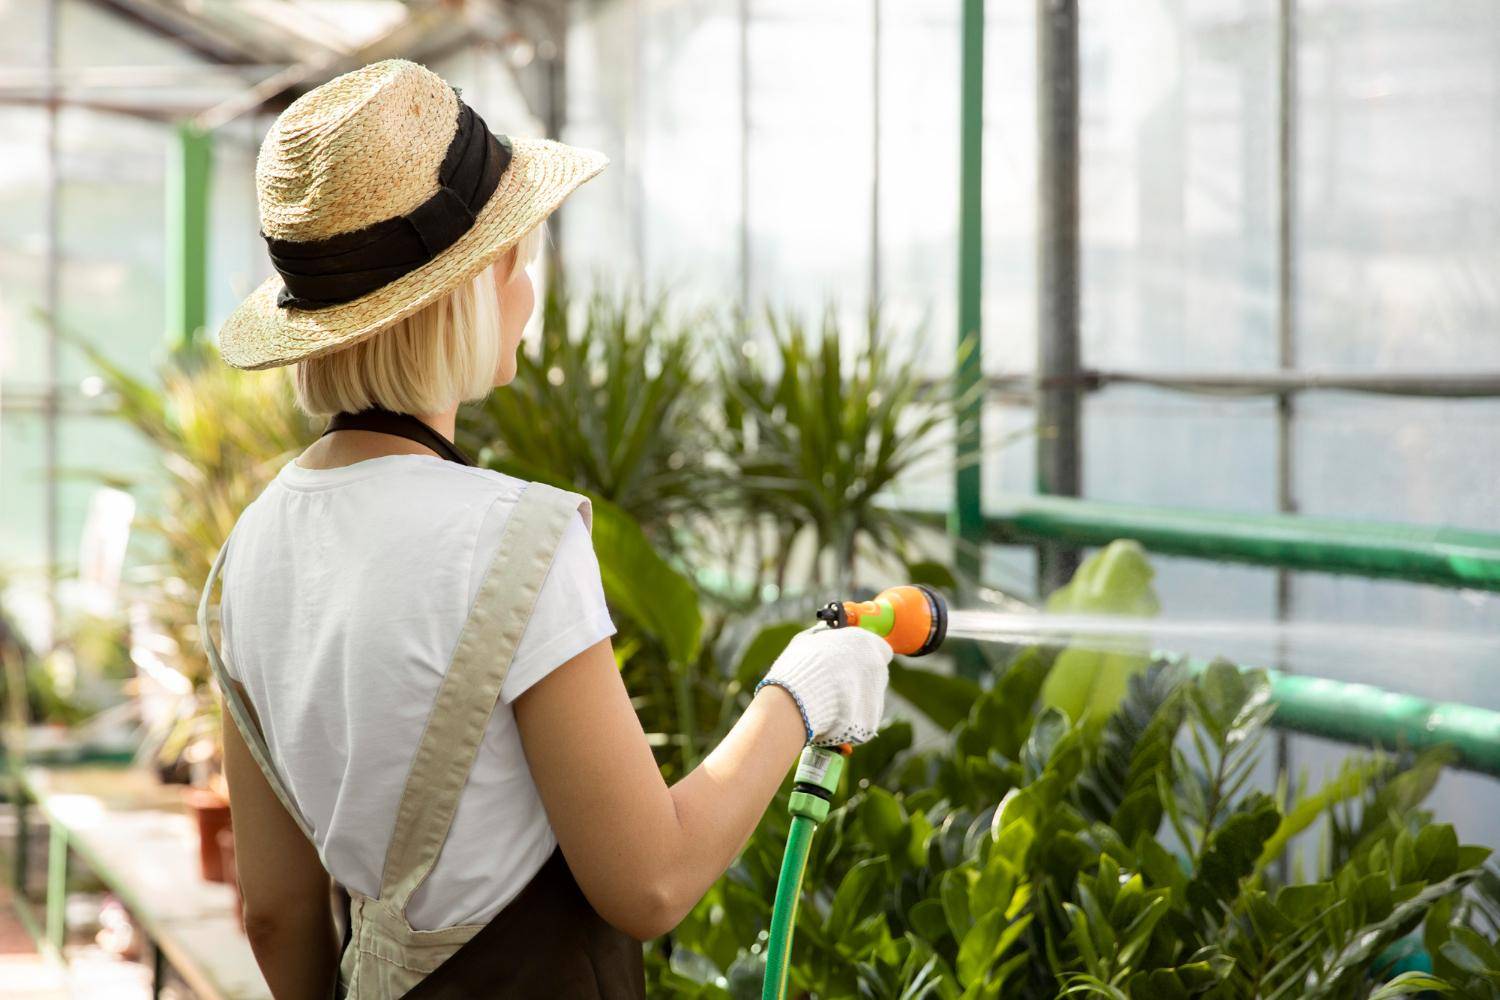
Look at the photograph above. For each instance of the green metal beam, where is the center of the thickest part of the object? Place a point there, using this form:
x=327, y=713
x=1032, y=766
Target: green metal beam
x=1448, y=557
x=189, y=164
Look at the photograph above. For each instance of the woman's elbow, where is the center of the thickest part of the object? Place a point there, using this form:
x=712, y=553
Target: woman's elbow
x=270, y=923
x=263, y=927
x=648, y=910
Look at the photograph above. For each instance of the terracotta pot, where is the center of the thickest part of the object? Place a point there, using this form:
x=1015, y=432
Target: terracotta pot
x=211, y=813
x=231, y=872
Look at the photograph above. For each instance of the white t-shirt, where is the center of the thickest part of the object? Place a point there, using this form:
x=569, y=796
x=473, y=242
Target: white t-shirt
x=344, y=591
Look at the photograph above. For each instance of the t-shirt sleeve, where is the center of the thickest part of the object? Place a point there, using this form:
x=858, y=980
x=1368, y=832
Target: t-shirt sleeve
x=570, y=614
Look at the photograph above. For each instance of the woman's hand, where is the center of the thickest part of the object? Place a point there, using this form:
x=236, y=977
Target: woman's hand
x=644, y=853
x=837, y=676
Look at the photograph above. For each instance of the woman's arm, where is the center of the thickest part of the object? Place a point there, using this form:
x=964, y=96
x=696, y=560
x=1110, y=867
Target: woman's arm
x=644, y=853
x=287, y=914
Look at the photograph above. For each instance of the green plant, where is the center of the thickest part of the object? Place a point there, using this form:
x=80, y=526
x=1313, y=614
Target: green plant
x=42, y=689
x=222, y=434
x=815, y=434
x=611, y=403
x=1124, y=855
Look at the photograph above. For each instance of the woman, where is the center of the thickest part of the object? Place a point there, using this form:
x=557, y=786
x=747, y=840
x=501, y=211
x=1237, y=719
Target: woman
x=414, y=654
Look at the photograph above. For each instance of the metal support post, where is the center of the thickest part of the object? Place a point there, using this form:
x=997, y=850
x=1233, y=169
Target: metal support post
x=1286, y=206
x=876, y=54
x=189, y=164
x=1058, y=287
x=57, y=886
x=966, y=519
x=52, y=303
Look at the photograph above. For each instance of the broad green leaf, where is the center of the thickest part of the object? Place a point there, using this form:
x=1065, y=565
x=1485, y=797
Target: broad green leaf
x=640, y=584
x=1114, y=581
x=985, y=942
x=884, y=820
x=1437, y=852
x=943, y=698
x=849, y=902
x=768, y=644
x=928, y=919
x=1046, y=735
x=953, y=890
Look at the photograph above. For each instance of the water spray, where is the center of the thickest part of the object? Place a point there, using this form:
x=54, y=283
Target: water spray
x=914, y=620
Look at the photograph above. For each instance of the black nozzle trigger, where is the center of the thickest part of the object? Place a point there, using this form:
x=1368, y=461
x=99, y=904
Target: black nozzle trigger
x=833, y=613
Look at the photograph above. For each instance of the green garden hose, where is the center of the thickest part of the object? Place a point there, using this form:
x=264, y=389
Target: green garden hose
x=914, y=620
x=818, y=774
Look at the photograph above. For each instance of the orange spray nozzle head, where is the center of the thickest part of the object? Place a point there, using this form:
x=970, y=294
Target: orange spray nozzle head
x=913, y=618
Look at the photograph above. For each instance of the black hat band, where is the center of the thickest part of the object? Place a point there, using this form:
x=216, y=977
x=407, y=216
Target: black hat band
x=322, y=273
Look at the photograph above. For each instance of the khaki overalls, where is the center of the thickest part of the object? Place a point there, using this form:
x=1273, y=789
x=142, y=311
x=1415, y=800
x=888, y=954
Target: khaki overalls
x=549, y=942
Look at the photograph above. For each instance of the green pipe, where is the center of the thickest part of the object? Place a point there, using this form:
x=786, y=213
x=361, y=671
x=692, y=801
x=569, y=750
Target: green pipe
x=1449, y=557
x=1362, y=713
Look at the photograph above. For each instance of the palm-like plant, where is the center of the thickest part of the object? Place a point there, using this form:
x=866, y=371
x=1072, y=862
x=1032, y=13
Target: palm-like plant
x=222, y=434
x=610, y=404
x=816, y=433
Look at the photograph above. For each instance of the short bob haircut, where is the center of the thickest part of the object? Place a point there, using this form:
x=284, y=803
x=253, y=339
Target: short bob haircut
x=444, y=353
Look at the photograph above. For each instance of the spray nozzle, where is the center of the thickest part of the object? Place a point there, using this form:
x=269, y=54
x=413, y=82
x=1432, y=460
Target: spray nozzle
x=913, y=618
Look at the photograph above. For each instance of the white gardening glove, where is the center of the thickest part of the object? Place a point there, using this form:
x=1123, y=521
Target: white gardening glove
x=837, y=676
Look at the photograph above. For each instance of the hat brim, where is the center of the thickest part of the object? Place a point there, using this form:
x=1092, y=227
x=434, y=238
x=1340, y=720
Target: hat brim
x=260, y=334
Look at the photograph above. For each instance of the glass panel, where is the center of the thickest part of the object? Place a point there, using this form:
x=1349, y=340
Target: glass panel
x=91, y=447
x=1010, y=189
x=1178, y=204
x=1398, y=185
x=23, y=248
x=603, y=219
x=919, y=174
x=810, y=160
x=112, y=238
x=23, y=494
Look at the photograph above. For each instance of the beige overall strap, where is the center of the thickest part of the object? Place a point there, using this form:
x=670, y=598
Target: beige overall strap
x=466, y=700
x=236, y=705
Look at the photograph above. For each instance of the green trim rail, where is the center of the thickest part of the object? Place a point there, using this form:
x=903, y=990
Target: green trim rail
x=1447, y=557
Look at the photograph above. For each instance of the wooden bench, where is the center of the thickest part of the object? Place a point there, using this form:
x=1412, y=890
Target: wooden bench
x=135, y=835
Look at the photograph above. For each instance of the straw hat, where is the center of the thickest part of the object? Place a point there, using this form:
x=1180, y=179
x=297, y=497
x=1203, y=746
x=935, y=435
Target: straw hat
x=379, y=193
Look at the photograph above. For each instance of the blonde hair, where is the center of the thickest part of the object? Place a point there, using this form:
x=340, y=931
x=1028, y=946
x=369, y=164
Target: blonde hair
x=444, y=353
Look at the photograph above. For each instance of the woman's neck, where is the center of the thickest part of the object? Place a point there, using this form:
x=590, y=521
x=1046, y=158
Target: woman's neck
x=345, y=447
x=444, y=423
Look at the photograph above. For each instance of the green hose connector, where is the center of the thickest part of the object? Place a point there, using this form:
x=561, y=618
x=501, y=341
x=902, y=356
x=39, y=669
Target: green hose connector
x=817, y=779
